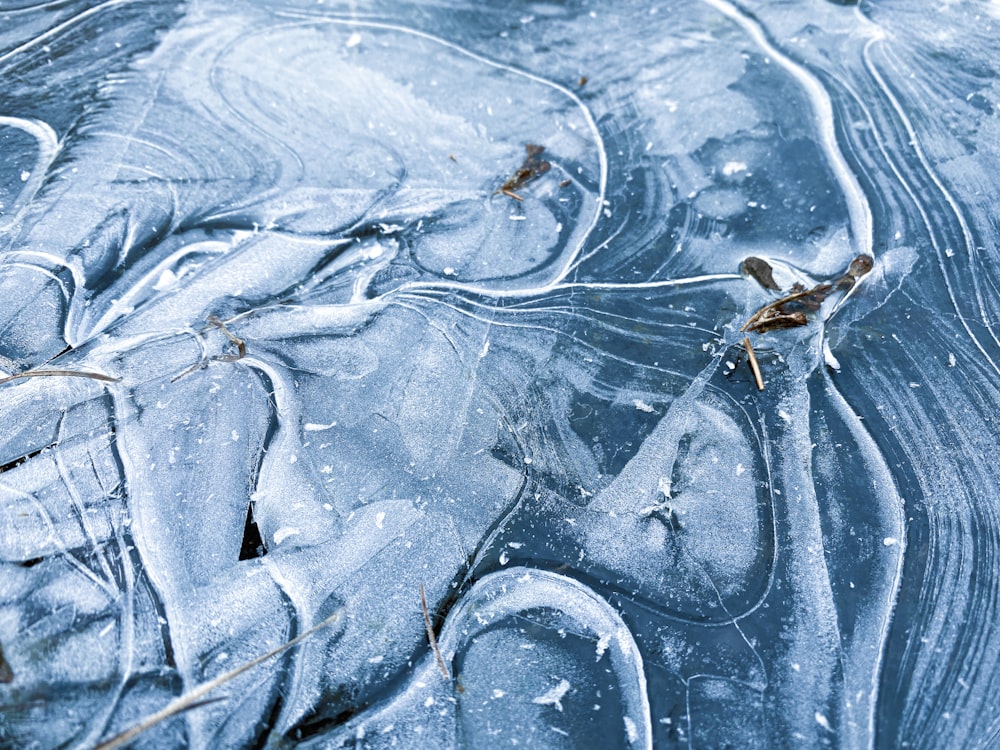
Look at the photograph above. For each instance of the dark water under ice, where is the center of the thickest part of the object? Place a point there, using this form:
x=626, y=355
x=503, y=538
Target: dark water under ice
x=309, y=310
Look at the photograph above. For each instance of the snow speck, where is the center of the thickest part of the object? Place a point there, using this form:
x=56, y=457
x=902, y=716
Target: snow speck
x=354, y=40
x=732, y=167
x=284, y=532
x=602, y=645
x=235, y=436
x=831, y=361
x=643, y=406
x=554, y=696
x=890, y=541
x=167, y=279
x=379, y=518
x=25, y=175
x=823, y=722
x=631, y=730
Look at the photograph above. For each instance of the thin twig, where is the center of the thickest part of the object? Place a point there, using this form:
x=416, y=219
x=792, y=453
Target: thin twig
x=197, y=696
x=60, y=374
x=241, y=345
x=773, y=307
x=754, y=365
x=431, y=637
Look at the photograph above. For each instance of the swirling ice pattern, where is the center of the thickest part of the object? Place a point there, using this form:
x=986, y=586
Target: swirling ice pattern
x=284, y=363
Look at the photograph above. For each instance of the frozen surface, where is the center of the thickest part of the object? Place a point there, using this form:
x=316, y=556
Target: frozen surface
x=305, y=327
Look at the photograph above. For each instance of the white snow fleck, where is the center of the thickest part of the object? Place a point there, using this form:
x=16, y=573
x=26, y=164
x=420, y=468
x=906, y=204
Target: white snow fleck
x=732, y=167
x=631, y=730
x=167, y=279
x=889, y=541
x=379, y=518
x=554, y=696
x=354, y=40
x=831, y=361
x=643, y=406
x=284, y=532
x=823, y=722
x=602, y=645
x=313, y=427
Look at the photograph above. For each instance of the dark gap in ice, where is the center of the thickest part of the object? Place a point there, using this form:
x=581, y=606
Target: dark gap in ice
x=18, y=461
x=252, y=546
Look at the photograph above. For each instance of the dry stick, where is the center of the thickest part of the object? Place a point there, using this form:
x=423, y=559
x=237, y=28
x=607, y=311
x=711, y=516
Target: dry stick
x=241, y=348
x=750, y=324
x=431, y=637
x=241, y=345
x=60, y=374
x=197, y=696
x=754, y=365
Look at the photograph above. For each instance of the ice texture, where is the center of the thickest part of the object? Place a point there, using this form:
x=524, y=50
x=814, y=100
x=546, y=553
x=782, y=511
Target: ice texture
x=403, y=344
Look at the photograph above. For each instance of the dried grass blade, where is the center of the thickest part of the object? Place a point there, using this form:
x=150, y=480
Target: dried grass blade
x=431, y=637
x=196, y=697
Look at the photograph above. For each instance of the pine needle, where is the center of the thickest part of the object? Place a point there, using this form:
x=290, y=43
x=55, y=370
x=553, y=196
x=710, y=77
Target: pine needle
x=431, y=637
x=59, y=374
x=754, y=365
x=196, y=697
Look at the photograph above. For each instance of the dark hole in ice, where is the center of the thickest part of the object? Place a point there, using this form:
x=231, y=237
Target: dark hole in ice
x=18, y=461
x=252, y=546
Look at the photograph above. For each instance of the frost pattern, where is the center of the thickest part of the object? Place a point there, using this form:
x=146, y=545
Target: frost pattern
x=311, y=310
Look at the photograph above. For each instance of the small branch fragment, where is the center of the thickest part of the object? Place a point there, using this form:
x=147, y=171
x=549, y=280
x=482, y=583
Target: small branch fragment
x=754, y=365
x=790, y=311
x=532, y=168
x=781, y=314
x=241, y=351
x=241, y=345
x=60, y=374
x=197, y=697
x=431, y=637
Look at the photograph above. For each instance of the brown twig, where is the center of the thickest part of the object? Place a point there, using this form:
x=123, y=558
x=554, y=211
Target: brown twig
x=754, y=365
x=241, y=351
x=431, y=637
x=241, y=345
x=197, y=696
x=772, y=315
x=532, y=167
x=60, y=374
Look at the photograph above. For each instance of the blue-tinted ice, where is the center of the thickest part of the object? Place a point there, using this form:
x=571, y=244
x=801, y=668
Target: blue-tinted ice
x=416, y=333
